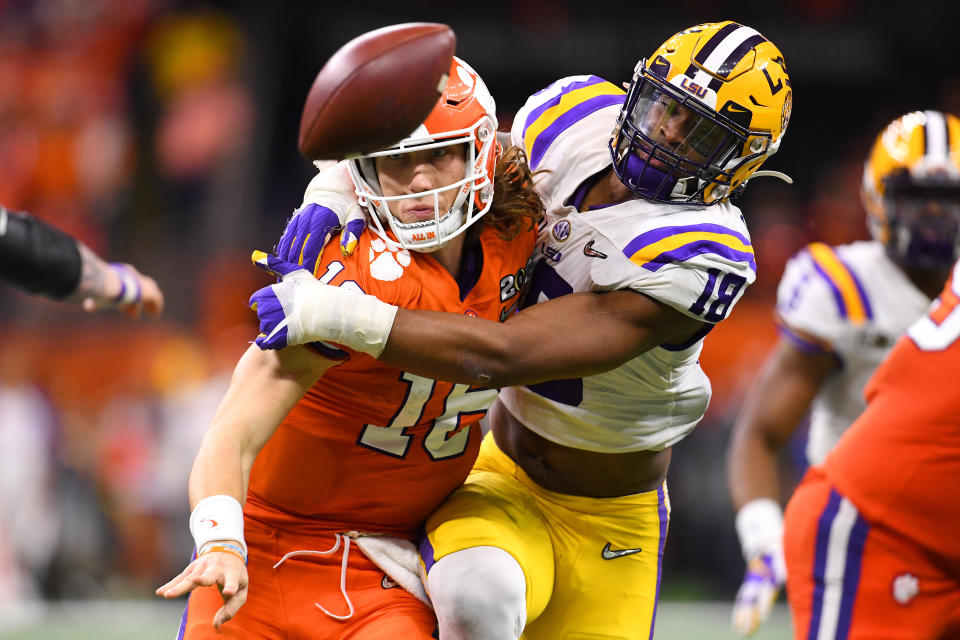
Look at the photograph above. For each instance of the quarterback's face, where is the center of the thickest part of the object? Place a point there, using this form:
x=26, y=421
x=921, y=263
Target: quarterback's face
x=420, y=172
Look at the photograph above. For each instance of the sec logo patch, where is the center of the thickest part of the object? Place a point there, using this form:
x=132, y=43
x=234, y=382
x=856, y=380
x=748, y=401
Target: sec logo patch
x=561, y=230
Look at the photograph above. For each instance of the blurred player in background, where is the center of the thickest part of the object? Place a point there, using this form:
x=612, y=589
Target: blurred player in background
x=39, y=258
x=871, y=537
x=840, y=310
x=367, y=451
x=559, y=530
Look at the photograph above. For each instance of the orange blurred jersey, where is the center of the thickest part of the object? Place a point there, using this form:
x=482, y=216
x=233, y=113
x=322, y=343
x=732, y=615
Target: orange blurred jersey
x=369, y=447
x=900, y=461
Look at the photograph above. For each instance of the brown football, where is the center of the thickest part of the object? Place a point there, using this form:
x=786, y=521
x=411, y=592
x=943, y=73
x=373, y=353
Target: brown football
x=375, y=90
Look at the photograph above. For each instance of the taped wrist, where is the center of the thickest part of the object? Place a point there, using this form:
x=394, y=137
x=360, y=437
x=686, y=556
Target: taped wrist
x=760, y=527
x=353, y=319
x=217, y=519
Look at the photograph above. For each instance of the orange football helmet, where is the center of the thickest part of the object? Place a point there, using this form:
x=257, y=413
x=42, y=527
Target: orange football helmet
x=465, y=113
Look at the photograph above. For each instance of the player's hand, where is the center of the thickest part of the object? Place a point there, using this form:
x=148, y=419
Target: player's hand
x=225, y=570
x=274, y=303
x=136, y=292
x=301, y=309
x=310, y=228
x=764, y=578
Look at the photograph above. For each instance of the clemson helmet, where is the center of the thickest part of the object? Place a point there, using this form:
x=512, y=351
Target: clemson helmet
x=911, y=189
x=702, y=114
x=464, y=114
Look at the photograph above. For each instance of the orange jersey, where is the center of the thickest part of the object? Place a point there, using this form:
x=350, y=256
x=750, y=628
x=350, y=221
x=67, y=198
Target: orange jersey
x=900, y=461
x=370, y=447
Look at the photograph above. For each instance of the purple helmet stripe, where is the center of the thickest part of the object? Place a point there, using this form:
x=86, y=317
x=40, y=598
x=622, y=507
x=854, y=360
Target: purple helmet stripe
x=536, y=113
x=714, y=42
x=738, y=54
x=577, y=113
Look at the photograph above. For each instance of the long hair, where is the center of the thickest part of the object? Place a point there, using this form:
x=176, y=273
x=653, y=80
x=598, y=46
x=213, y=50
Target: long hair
x=516, y=204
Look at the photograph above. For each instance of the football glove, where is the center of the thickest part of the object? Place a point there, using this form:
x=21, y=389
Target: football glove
x=330, y=204
x=299, y=309
x=760, y=529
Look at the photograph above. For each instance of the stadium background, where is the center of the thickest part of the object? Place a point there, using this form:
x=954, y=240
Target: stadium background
x=163, y=133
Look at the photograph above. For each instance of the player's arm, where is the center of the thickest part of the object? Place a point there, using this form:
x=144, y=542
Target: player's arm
x=774, y=407
x=264, y=387
x=570, y=336
x=42, y=259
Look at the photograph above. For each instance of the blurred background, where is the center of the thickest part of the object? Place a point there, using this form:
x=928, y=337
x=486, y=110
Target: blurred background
x=163, y=133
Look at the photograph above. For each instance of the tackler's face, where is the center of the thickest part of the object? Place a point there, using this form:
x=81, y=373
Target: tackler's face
x=424, y=172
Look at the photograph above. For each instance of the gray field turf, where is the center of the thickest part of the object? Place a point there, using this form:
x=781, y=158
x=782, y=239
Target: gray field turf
x=148, y=620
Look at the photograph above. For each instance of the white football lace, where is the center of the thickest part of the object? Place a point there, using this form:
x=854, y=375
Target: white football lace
x=343, y=571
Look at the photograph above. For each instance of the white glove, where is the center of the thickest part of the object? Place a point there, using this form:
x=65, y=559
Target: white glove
x=299, y=309
x=760, y=529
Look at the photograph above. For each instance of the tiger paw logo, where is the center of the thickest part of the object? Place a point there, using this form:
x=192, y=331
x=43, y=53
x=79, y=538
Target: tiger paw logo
x=905, y=587
x=385, y=263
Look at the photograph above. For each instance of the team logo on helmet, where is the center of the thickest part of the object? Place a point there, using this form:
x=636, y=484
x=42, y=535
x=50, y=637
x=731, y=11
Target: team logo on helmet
x=787, y=111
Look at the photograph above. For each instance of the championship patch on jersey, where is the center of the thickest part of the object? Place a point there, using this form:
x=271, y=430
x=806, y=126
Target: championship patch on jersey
x=659, y=247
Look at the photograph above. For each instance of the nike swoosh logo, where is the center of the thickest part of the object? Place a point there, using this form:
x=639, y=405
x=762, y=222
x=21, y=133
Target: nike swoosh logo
x=611, y=554
x=387, y=583
x=213, y=523
x=589, y=251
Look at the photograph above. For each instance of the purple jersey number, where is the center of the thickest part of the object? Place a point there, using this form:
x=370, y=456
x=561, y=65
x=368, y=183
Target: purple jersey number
x=546, y=280
x=726, y=292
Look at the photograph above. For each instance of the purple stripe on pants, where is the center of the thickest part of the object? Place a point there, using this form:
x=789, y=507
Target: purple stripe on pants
x=664, y=523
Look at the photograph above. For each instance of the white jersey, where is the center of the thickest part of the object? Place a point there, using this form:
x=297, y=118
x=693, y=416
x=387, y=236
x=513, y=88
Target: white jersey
x=856, y=302
x=696, y=259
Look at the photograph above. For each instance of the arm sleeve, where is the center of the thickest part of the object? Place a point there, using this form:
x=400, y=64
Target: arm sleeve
x=36, y=257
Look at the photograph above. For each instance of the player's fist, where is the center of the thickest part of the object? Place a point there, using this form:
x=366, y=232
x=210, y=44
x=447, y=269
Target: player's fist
x=762, y=582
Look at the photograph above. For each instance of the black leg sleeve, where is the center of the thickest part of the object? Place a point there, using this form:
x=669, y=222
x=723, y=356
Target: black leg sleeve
x=37, y=257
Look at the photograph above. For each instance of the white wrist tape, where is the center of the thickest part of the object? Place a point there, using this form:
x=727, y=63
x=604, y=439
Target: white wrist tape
x=217, y=518
x=760, y=527
x=337, y=314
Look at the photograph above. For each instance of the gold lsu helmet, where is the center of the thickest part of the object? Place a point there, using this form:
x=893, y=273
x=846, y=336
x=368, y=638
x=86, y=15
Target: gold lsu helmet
x=702, y=114
x=911, y=189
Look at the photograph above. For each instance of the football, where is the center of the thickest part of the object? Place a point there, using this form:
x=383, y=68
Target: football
x=375, y=90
